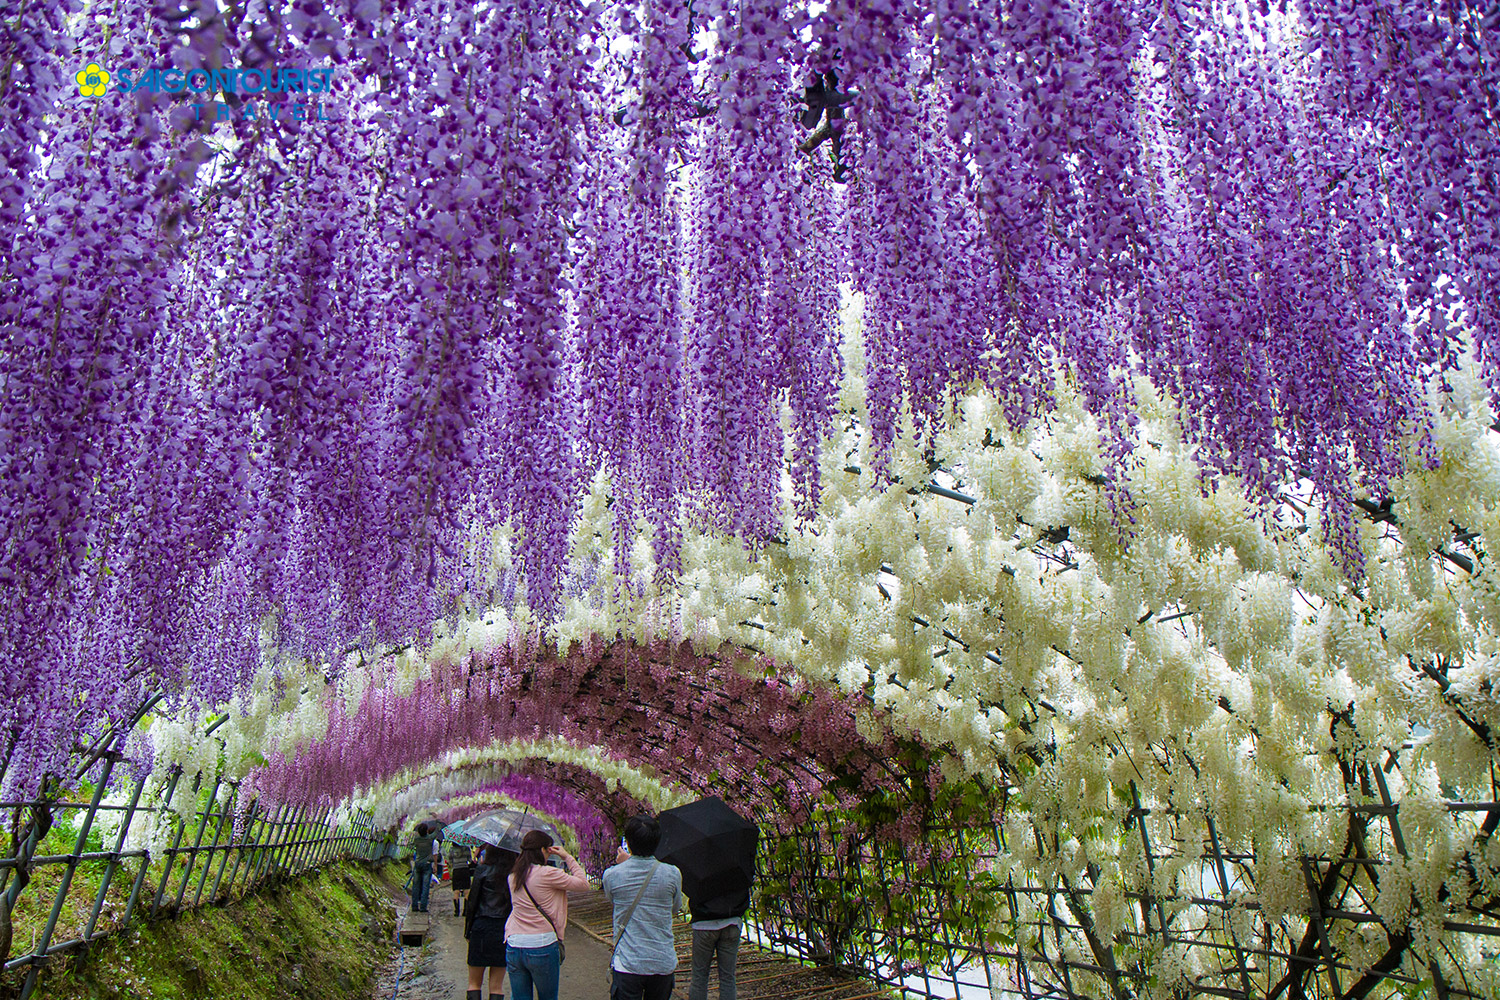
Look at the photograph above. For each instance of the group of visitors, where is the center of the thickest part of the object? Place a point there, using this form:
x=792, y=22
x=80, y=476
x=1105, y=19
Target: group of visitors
x=427, y=867
x=516, y=916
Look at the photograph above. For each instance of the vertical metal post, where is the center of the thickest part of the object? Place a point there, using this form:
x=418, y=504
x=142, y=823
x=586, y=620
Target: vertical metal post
x=1150, y=894
x=209, y=860
x=114, y=858
x=1234, y=938
x=79, y=846
x=1316, y=916
x=310, y=838
x=255, y=822
x=263, y=847
x=319, y=837
x=228, y=847
x=296, y=844
x=187, y=872
x=324, y=837
x=362, y=826
x=332, y=839
x=270, y=838
x=328, y=846
x=302, y=857
x=339, y=843
x=255, y=858
x=288, y=839
x=166, y=876
x=140, y=875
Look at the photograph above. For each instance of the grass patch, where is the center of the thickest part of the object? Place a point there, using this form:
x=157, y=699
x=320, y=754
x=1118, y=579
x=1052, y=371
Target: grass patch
x=324, y=934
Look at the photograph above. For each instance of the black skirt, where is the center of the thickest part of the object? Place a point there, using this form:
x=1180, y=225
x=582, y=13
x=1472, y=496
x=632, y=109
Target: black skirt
x=487, y=941
x=463, y=876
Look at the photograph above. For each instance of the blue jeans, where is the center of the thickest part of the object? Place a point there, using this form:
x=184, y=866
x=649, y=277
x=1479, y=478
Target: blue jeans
x=421, y=882
x=533, y=967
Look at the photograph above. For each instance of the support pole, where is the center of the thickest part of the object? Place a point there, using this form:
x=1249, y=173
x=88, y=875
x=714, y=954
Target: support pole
x=209, y=861
x=228, y=849
x=187, y=872
x=288, y=840
x=166, y=876
x=79, y=846
x=270, y=840
x=114, y=859
x=140, y=876
x=255, y=826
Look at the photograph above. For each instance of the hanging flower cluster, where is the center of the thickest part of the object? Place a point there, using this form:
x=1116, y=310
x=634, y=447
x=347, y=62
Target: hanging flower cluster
x=1222, y=666
x=283, y=389
x=715, y=725
x=576, y=818
x=604, y=781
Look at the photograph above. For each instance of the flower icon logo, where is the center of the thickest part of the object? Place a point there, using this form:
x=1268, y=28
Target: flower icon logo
x=92, y=80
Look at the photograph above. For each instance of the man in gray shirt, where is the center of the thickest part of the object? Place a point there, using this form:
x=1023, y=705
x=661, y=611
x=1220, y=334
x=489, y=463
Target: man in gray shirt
x=646, y=895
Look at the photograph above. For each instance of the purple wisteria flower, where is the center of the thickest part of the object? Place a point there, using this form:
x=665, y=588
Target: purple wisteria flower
x=269, y=385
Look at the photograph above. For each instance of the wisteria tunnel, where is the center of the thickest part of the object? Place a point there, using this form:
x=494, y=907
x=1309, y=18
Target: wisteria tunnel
x=1036, y=459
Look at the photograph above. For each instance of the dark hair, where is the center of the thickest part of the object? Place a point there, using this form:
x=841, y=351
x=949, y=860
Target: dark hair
x=533, y=852
x=498, y=856
x=422, y=829
x=642, y=834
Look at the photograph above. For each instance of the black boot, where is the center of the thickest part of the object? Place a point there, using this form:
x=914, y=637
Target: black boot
x=456, y=912
x=475, y=995
x=497, y=996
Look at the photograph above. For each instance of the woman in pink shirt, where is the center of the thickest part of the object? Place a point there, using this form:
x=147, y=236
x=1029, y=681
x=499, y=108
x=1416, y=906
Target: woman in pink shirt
x=538, y=916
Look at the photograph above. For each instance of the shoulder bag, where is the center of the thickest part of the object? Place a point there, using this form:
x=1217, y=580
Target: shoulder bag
x=562, y=949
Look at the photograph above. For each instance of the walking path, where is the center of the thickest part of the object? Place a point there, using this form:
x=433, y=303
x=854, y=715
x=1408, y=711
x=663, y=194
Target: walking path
x=438, y=970
x=759, y=975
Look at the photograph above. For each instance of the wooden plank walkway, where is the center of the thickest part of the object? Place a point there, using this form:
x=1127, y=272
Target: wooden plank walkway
x=760, y=975
x=412, y=929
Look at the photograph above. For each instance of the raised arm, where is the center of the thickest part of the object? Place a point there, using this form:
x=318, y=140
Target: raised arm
x=575, y=877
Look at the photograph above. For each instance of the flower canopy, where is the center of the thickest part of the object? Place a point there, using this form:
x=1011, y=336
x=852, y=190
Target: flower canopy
x=854, y=406
x=301, y=303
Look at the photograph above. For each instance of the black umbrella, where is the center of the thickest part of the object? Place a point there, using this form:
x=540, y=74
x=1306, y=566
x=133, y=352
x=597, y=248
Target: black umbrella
x=715, y=848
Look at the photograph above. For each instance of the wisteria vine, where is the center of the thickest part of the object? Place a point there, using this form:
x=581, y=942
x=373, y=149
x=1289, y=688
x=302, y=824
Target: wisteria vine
x=281, y=371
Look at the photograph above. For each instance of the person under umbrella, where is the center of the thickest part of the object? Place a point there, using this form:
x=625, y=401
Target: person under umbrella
x=715, y=849
x=485, y=916
x=504, y=828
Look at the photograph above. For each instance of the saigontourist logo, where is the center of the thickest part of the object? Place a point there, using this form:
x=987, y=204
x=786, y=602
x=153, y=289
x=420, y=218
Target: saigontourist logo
x=230, y=93
x=92, y=81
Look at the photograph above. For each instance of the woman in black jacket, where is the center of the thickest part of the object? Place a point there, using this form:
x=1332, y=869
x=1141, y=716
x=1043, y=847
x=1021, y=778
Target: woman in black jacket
x=485, y=913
